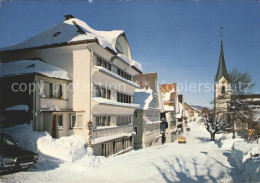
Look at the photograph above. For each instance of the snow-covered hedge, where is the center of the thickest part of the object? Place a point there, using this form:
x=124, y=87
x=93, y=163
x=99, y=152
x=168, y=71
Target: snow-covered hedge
x=66, y=148
x=249, y=166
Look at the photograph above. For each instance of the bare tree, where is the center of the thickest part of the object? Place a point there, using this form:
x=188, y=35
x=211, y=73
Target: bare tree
x=213, y=126
x=241, y=82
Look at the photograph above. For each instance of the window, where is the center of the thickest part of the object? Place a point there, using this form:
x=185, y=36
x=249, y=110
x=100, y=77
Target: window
x=123, y=74
x=57, y=91
x=73, y=121
x=135, y=129
x=60, y=121
x=53, y=90
x=123, y=98
x=223, y=90
x=96, y=91
x=135, y=114
x=103, y=120
x=108, y=94
x=76, y=121
x=103, y=63
x=119, y=48
x=123, y=120
x=99, y=61
x=48, y=90
x=101, y=92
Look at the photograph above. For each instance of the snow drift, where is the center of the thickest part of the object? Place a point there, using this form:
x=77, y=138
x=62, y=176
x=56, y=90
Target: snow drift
x=66, y=148
x=249, y=166
x=226, y=141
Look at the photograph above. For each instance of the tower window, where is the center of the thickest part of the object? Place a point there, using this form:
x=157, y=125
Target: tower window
x=223, y=89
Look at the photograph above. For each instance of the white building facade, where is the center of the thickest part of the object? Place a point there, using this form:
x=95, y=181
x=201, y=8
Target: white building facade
x=98, y=101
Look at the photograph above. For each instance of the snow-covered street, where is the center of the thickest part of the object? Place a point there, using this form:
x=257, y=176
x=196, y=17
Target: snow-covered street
x=199, y=160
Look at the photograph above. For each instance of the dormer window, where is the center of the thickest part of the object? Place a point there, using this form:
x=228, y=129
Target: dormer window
x=56, y=34
x=119, y=48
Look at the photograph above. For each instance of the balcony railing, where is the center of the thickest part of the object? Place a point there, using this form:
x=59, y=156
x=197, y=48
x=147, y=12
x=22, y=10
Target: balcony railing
x=104, y=132
x=152, y=136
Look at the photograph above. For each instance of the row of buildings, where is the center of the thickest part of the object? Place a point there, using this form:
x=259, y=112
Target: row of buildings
x=72, y=79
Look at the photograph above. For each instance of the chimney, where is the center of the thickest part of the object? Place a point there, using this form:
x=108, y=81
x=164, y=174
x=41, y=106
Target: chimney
x=69, y=16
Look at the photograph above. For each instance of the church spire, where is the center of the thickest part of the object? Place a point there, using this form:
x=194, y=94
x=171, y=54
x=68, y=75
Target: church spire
x=222, y=70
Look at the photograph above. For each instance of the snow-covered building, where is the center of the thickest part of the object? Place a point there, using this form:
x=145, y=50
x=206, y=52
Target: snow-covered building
x=171, y=110
x=97, y=101
x=21, y=80
x=147, y=116
x=193, y=113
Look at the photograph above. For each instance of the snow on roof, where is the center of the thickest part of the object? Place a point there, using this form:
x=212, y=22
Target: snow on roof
x=68, y=31
x=32, y=66
x=116, y=75
x=168, y=108
x=18, y=108
x=101, y=100
x=192, y=107
x=137, y=65
x=124, y=58
x=143, y=97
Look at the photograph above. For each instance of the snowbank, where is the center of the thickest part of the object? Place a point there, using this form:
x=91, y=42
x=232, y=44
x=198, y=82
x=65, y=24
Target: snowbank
x=66, y=148
x=249, y=166
x=226, y=141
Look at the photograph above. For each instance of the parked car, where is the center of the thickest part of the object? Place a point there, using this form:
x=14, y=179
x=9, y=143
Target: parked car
x=188, y=129
x=181, y=139
x=13, y=157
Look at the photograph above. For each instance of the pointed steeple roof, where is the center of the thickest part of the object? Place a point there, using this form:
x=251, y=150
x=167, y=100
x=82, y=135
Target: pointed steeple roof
x=222, y=70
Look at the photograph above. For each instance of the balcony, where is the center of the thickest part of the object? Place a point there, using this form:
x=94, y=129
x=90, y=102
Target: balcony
x=152, y=136
x=112, y=131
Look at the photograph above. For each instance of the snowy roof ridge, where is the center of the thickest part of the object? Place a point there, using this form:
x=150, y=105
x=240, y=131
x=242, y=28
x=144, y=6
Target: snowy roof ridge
x=192, y=107
x=23, y=67
x=137, y=65
x=67, y=32
x=143, y=97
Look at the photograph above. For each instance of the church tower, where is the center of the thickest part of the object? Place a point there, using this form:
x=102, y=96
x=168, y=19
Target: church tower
x=222, y=93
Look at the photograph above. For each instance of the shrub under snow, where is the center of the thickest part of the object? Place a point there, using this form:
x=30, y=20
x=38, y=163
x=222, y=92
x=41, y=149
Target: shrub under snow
x=66, y=148
x=250, y=167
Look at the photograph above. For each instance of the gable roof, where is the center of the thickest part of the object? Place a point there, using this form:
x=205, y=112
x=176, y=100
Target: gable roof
x=69, y=31
x=147, y=80
x=187, y=106
x=23, y=67
x=168, y=87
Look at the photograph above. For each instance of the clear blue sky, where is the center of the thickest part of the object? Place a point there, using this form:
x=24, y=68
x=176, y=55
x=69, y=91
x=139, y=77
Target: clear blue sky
x=179, y=40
